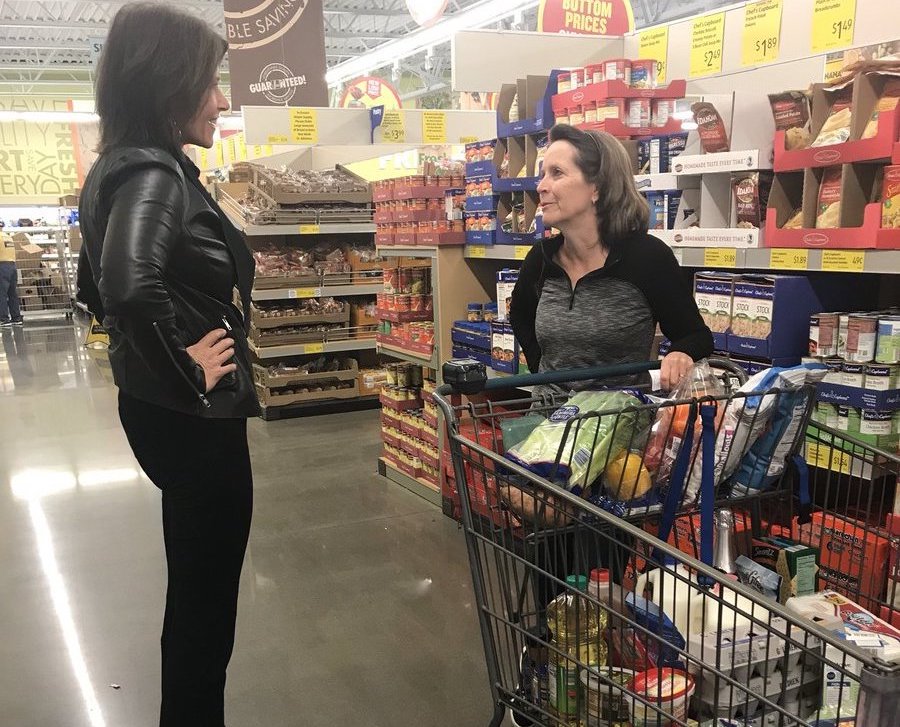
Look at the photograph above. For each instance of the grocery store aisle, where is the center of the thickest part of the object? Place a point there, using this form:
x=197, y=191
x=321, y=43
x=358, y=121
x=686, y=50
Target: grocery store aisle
x=356, y=600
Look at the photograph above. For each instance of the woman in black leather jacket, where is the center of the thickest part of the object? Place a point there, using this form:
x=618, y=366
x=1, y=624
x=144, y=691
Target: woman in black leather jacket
x=159, y=267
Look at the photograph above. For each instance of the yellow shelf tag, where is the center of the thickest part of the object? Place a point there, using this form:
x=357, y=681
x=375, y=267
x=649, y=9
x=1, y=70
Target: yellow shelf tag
x=241, y=148
x=833, y=23
x=257, y=151
x=720, y=257
x=707, y=35
x=219, y=153
x=841, y=461
x=468, y=139
x=393, y=126
x=478, y=251
x=655, y=44
x=521, y=251
x=789, y=259
x=309, y=229
x=434, y=127
x=203, y=158
x=761, y=39
x=304, y=293
x=304, y=126
x=314, y=348
x=278, y=139
x=847, y=261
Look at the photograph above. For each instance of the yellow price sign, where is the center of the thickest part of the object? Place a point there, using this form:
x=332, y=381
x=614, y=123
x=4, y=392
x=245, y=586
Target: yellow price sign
x=241, y=148
x=789, y=259
x=654, y=44
x=304, y=126
x=434, y=127
x=720, y=257
x=468, y=139
x=707, y=35
x=762, y=32
x=846, y=261
x=477, y=251
x=257, y=151
x=203, y=158
x=521, y=251
x=219, y=154
x=304, y=293
x=279, y=139
x=311, y=229
x=393, y=127
x=818, y=455
x=231, y=148
x=841, y=462
x=833, y=24
x=267, y=150
x=314, y=348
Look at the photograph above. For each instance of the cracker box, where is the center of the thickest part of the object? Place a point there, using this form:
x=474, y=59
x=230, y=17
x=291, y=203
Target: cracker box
x=506, y=281
x=504, y=348
x=713, y=293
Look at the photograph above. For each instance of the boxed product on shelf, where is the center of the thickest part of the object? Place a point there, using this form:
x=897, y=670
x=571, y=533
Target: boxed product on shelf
x=480, y=158
x=363, y=314
x=506, y=282
x=525, y=107
x=472, y=335
x=713, y=293
x=655, y=153
x=504, y=348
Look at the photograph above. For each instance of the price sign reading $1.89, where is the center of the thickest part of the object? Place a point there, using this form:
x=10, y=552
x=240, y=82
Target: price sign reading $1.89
x=762, y=32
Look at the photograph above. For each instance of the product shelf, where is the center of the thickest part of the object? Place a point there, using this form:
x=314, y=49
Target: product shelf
x=419, y=358
x=422, y=251
x=870, y=235
x=616, y=89
x=621, y=130
x=319, y=407
x=791, y=259
x=416, y=485
x=497, y=252
x=330, y=228
x=404, y=316
x=317, y=292
x=720, y=162
x=737, y=237
x=305, y=349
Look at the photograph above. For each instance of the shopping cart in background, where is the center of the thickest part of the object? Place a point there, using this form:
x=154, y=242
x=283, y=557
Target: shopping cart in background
x=659, y=636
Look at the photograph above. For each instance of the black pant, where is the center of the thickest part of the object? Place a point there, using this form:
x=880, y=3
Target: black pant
x=202, y=467
x=9, y=295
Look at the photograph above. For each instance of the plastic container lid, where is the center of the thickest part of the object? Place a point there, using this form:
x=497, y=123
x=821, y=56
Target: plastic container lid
x=577, y=582
x=600, y=575
x=663, y=685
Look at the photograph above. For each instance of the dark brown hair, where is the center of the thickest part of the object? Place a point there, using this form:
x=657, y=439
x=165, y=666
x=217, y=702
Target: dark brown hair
x=621, y=209
x=157, y=64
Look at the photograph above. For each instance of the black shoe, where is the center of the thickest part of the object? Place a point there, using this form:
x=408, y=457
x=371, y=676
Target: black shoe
x=5, y=324
x=18, y=322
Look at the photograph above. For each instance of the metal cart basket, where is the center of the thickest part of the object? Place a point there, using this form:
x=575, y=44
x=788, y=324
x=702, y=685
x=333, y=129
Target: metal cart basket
x=658, y=636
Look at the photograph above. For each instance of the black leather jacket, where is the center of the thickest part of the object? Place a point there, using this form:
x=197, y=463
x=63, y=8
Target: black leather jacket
x=158, y=267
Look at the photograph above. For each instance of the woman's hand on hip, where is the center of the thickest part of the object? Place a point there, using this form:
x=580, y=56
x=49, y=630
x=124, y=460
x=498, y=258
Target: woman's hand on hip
x=213, y=352
x=674, y=367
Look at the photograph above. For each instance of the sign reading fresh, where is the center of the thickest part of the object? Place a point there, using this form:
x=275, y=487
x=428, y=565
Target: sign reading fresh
x=586, y=17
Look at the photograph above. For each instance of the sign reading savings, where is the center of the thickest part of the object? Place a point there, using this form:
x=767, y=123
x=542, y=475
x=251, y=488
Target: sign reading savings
x=586, y=17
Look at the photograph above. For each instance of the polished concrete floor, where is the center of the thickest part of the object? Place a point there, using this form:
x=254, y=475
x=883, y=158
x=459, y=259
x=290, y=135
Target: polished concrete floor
x=356, y=603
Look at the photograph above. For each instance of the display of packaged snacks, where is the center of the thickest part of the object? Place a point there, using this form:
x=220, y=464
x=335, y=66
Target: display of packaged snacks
x=836, y=129
x=751, y=197
x=791, y=112
x=890, y=197
x=828, y=211
x=643, y=73
x=887, y=101
x=713, y=134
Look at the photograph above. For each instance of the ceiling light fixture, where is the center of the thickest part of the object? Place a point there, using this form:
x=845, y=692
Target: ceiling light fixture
x=475, y=16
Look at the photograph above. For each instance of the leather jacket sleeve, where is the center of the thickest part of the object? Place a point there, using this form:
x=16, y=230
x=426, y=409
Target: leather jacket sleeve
x=145, y=218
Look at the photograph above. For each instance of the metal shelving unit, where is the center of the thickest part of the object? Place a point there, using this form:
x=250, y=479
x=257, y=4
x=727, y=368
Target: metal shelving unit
x=315, y=292
x=417, y=486
x=408, y=356
x=357, y=228
x=310, y=349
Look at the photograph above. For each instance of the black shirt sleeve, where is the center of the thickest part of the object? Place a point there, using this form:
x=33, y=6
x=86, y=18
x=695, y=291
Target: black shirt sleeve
x=673, y=304
x=524, y=303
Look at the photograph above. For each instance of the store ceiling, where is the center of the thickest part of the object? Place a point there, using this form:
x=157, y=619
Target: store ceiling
x=46, y=45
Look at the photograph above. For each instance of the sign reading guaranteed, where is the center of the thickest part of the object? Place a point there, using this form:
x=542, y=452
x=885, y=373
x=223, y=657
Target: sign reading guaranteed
x=276, y=52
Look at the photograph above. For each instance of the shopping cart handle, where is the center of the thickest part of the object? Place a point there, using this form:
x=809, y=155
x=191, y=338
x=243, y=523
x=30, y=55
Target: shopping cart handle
x=468, y=376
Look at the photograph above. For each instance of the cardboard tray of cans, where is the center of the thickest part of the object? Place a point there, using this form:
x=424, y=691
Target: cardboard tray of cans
x=284, y=191
x=286, y=339
x=348, y=372
x=389, y=401
x=276, y=397
x=259, y=321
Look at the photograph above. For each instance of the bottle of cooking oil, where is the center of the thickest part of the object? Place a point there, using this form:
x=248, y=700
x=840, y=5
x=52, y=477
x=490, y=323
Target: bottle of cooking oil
x=575, y=626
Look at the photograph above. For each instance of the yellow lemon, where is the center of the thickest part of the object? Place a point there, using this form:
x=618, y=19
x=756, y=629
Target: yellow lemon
x=626, y=477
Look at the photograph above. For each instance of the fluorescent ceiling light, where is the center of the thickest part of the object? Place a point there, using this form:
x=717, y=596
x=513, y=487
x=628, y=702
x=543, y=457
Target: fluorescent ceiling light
x=50, y=117
x=475, y=16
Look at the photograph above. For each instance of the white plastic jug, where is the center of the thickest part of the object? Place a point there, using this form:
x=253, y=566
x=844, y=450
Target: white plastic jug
x=690, y=606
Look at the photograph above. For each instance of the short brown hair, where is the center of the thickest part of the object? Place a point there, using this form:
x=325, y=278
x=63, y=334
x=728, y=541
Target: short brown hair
x=621, y=209
x=157, y=63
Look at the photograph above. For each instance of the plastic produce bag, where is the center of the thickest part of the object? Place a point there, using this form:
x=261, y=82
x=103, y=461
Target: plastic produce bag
x=668, y=431
x=584, y=449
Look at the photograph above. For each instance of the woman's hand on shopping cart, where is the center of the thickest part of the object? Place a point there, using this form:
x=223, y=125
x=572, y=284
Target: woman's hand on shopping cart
x=675, y=366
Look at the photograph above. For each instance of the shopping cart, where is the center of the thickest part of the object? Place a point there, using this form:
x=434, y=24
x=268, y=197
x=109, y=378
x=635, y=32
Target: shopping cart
x=559, y=655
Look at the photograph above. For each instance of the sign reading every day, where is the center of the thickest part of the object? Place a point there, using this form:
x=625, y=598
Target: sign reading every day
x=586, y=17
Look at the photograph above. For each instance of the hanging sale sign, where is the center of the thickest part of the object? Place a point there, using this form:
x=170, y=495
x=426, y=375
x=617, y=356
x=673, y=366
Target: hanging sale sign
x=585, y=17
x=276, y=52
x=369, y=91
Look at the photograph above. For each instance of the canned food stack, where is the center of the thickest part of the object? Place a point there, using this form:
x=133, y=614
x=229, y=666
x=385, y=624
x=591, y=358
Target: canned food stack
x=472, y=337
x=861, y=391
x=406, y=309
x=409, y=422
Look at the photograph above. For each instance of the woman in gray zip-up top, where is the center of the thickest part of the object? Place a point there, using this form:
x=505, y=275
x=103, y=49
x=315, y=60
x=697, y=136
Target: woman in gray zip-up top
x=593, y=294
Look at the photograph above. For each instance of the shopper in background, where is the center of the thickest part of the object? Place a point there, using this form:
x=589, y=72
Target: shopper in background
x=10, y=315
x=592, y=295
x=158, y=267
